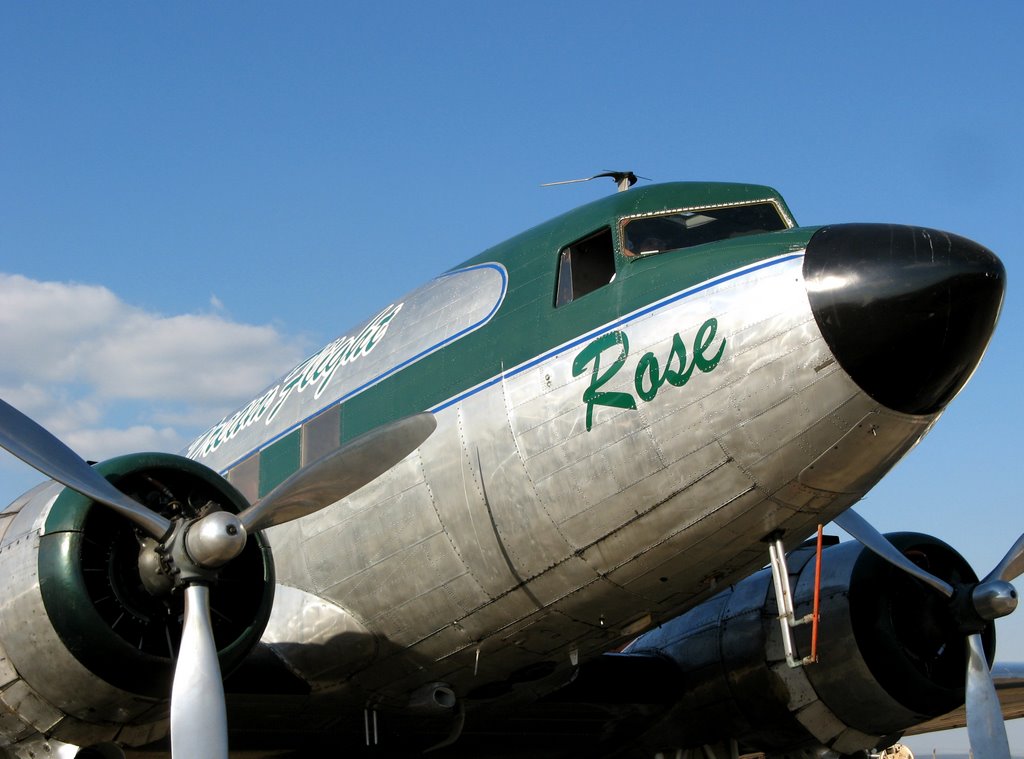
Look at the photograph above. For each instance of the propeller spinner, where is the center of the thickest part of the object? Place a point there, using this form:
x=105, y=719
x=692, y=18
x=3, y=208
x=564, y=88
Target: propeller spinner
x=194, y=549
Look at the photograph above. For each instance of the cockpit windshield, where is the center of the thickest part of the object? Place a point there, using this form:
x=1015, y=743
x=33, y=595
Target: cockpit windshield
x=684, y=229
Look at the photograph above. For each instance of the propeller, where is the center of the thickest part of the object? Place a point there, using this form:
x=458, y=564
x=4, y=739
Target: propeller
x=198, y=722
x=198, y=547
x=38, y=448
x=974, y=606
x=339, y=473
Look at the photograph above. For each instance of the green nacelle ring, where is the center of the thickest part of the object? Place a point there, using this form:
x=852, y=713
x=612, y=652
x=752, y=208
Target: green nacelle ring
x=90, y=586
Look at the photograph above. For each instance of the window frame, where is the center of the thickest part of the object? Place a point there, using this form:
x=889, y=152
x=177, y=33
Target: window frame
x=629, y=254
x=561, y=266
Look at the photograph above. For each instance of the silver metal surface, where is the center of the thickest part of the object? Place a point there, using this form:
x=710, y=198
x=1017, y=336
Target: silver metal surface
x=732, y=658
x=994, y=599
x=542, y=537
x=869, y=449
x=5, y=520
x=514, y=534
x=432, y=316
x=38, y=448
x=862, y=531
x=318, y=641
x=29, y=513
x=339, y=473
x=1011, y=565
x=32, y=647
x=155, y=576
x=215, y=539
x=38, y=746
x=198, y=718
x=985, y=728
x=8, y=674
x=784, y=602
x=21, y=699
x=81, y=733
x=13, y=728
x=140, y=735
x=433, y=698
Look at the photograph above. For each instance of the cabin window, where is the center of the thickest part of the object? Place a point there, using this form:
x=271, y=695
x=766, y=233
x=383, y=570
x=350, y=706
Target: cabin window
x=684, y=229
x=584, y=266
x=321, y=435
x=246, y=477
x=279, y=461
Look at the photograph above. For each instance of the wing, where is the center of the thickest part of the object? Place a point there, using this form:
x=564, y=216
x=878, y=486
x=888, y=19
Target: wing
x=1009, y=681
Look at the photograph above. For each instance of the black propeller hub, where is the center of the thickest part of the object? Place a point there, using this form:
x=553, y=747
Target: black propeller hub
x=961, y=606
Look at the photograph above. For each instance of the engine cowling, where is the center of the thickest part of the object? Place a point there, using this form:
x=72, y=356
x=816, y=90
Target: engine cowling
x=86, y=651
x=891, y=656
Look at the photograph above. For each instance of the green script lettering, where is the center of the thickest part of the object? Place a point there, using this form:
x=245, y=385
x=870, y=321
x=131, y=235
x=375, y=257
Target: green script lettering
x=705, y=336
x=591, y=396
x=648, y=378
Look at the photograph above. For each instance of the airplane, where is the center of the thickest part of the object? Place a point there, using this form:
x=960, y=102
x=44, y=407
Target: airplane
x=563, y=499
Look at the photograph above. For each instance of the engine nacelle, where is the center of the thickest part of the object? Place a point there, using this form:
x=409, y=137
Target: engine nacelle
x=86, y=651
x=890, y=655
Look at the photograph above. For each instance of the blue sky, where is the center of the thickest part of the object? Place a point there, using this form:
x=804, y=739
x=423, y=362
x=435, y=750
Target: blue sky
x=194, y=195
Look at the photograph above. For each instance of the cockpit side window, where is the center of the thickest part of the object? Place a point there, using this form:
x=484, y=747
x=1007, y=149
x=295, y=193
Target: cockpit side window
x=684, y=229
x=585, y=266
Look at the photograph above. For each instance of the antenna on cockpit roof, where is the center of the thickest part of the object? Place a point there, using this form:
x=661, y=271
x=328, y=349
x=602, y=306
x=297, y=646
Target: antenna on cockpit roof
x=624, y=179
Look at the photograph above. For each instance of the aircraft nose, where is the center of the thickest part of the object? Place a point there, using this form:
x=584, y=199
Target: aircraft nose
x=906, y=311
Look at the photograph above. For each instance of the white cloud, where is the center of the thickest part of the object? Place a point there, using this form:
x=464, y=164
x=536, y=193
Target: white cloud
x=190, y=356
x=98, y=444
x=45, y=326
x=109, y=377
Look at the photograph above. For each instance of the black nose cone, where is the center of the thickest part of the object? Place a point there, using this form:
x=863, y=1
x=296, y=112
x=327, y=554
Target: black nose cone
x=907, y=311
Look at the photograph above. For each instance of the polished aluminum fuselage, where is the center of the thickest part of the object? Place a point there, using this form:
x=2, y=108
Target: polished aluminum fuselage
x=516, y=535
x=600, y=465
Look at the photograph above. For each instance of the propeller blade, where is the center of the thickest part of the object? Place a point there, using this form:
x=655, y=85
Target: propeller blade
x=872, y=539
x=985, y=728
x=1012, y=564
x=339, y=473
x=199, y=723
x=40, y=449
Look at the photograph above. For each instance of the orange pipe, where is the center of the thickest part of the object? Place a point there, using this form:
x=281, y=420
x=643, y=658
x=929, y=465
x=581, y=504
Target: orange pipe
x=817, y=598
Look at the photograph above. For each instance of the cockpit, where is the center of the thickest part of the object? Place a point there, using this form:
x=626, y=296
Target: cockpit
x=589, y=263
x=649, y=234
